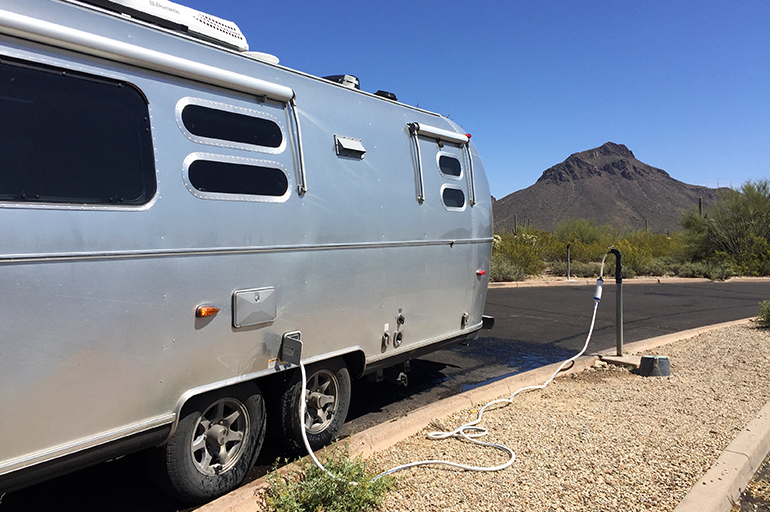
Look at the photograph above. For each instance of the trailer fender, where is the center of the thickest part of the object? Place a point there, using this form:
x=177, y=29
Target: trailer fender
x=354, y=358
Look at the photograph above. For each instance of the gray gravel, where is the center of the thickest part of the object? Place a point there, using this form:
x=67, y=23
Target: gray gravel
x=599, y=440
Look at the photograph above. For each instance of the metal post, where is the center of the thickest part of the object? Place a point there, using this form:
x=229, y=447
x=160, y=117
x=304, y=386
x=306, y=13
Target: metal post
x=568, y=262
x=618, y=302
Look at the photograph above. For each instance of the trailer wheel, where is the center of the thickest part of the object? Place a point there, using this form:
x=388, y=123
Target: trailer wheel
x=327, y=399
x=214, y=446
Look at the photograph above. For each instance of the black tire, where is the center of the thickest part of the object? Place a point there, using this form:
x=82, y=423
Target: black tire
x=215, y=444
x=328, y=399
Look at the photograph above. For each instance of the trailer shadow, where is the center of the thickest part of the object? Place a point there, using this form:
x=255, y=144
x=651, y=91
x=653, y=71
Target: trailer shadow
x=122, y=485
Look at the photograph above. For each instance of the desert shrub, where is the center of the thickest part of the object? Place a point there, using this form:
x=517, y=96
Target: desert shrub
x=689, y=269
x=736, y=229
x=753, y=260
x=714, y=270
x=581, y=251
x=581, y=230
x=503, y=269
x=656, y=245
x=634, y=257
x=522, y=250
x=657, y=267
x=588, y=242
x=764, y=314
x=550, y=248
x=308, y=489
x=577, y=269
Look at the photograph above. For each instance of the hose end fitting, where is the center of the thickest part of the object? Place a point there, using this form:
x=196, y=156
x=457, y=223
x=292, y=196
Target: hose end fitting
x=598, y=292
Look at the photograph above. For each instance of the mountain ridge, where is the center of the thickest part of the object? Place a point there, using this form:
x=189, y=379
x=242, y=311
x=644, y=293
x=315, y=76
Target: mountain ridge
x=608, y=185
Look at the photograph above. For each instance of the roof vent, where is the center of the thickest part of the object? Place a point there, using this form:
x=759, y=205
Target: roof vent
x=171, y=15
x=262, y=56
x=346, y=80
x=386, y=94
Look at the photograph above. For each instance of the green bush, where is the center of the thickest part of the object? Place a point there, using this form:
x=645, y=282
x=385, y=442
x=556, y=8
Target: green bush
x=581, y=230
x=577, y=268
x=732, y=238
x=636, y=257
x=521, y=250
x=735, y=229
x=657, y=267
x=764, y=314
x=588, y=242
x=753, y=260
x=308, y=489
x=502, y=269
x=714, y=270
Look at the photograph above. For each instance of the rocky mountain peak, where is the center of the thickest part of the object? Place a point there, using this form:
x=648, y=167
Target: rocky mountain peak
x=607, y=184
x=607, y=149
x=610, y=159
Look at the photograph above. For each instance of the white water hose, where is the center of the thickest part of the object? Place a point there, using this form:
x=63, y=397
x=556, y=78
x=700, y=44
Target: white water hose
x=470, y=431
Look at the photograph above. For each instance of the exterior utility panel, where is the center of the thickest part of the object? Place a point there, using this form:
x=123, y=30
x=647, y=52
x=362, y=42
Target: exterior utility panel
x=145, y=175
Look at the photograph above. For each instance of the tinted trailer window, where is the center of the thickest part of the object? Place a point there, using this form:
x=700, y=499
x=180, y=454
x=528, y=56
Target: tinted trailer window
x=66, y=137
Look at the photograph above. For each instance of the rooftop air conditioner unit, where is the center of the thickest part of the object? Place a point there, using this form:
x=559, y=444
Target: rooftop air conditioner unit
x=187, y=19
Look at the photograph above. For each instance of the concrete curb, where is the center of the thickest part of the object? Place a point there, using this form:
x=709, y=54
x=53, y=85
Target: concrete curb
x=722, y=485
x=743, y=455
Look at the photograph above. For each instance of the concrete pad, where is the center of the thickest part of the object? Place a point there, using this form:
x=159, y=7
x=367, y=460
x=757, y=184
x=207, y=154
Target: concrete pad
x=625, y=360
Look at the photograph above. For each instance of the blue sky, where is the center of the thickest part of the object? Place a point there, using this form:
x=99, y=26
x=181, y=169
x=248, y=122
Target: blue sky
x=684, y=84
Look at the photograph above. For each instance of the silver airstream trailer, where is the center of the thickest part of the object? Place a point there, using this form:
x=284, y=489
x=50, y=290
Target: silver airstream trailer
x=183, y=221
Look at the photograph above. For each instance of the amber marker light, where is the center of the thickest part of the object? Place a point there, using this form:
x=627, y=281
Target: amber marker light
x=206, y=311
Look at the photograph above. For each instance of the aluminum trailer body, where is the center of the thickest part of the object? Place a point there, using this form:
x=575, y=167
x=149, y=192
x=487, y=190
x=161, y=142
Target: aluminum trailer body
x=172, y=209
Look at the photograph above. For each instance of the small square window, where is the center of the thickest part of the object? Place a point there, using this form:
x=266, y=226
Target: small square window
x=449, y=166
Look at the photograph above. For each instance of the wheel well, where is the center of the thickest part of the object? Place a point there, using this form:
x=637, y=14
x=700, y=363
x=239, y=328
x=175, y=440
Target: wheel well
x=273, y=385
x=194, y=399
x=356, y=362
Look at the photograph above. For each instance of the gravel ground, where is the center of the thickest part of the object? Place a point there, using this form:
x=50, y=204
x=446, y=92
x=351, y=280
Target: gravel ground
x=599, y=440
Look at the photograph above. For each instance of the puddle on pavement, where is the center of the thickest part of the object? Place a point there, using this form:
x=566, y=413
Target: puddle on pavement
x=520, y=362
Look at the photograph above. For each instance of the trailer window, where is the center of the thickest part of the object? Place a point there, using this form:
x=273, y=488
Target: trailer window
x=67, y=137
x=453, y=198
x=236, y=178
x=449, y=166
x=213, y=123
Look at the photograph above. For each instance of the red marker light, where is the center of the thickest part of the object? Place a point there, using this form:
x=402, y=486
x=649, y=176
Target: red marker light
x=468, y=135
x=481, y=272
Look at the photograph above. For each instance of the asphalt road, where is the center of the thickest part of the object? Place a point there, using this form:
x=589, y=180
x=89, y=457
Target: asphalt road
x=534, y=326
